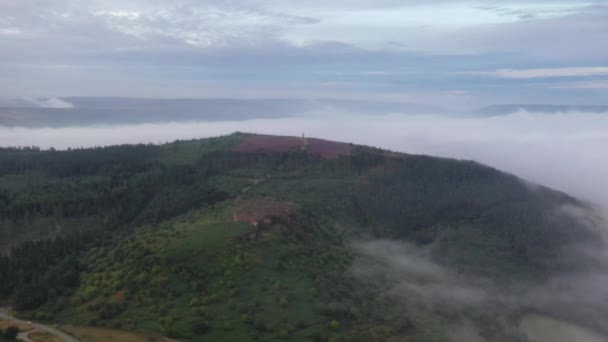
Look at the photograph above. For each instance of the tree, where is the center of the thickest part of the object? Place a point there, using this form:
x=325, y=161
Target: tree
x=201, y=328
x=11, y=333
x=195, y=302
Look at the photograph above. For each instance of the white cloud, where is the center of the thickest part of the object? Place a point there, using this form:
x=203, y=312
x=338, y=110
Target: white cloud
x=413, y=23
x=52, y=102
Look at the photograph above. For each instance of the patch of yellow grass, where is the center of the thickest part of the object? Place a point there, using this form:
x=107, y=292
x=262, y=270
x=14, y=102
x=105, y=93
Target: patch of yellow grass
x=43, y=336
x=96, y=334
x=5, y=324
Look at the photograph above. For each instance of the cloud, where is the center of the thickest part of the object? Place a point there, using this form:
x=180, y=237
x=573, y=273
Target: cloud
x=408, y=275
x=572, y=37
x=189, y=48
x=410, y=272
x=547, y=73
x=9, y=31
x=52, y=102
x=595, y=84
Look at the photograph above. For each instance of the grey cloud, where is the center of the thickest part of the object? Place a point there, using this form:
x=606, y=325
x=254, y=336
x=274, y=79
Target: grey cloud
x=202, y=23
x=572, y=37
x=186, y=48
x=209, y=24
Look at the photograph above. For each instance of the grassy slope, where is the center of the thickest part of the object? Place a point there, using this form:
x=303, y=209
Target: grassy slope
x=202, y=274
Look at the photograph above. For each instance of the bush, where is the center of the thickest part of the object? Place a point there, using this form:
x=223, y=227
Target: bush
x=283, y=334
x=11, y=333
x=246, y=318
x=40, y=315
x=172, y=332
x=283, y=302
x=201, y=328
x=195, y=302
x=227, y=326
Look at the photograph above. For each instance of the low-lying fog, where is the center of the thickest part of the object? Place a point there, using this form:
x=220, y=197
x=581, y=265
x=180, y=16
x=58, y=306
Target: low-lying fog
x=407, y=275
x=565, y=151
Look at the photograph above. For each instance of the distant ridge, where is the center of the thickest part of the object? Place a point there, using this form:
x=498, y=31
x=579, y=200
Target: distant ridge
x=503, y=109
x=82, y=111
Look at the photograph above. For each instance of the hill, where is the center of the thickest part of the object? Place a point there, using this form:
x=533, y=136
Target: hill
x=251, y=237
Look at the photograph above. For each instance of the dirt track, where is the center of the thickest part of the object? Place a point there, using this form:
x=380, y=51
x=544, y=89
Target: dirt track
x=36, y=327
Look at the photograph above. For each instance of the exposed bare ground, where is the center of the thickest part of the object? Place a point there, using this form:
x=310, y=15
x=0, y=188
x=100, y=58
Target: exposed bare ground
x=97, y=334
x=256, y=209
x=36, y=327
x=268, y=143
x=282, y=144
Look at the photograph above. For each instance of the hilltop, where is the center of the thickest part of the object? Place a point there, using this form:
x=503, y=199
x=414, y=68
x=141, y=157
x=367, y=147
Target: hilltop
x=258, y=237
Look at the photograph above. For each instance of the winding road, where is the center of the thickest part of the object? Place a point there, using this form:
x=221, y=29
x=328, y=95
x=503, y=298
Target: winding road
x=36, y=327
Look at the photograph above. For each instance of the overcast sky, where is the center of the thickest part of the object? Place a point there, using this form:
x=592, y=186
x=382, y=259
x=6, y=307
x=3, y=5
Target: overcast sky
x=462, y=53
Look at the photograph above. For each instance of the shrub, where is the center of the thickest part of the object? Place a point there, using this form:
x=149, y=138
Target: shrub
x=40, y=315
x=283, y=302
x=11, y=333
x=283, y=334
x=172, y=332
x=246, y=318
x=201, y=328
x=195, y=302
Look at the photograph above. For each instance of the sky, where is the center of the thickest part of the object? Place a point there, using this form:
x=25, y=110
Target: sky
x=458, y=53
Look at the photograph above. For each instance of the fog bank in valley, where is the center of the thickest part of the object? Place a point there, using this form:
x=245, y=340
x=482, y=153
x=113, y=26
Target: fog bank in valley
x=573, y=303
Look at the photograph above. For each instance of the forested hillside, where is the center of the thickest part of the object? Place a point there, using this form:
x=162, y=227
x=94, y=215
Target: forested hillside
x=247, y=237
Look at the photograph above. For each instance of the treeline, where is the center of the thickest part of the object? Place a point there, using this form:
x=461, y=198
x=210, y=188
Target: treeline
x=78, y=162
x=421, y=198
x=41, y=271
x=118, y=184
